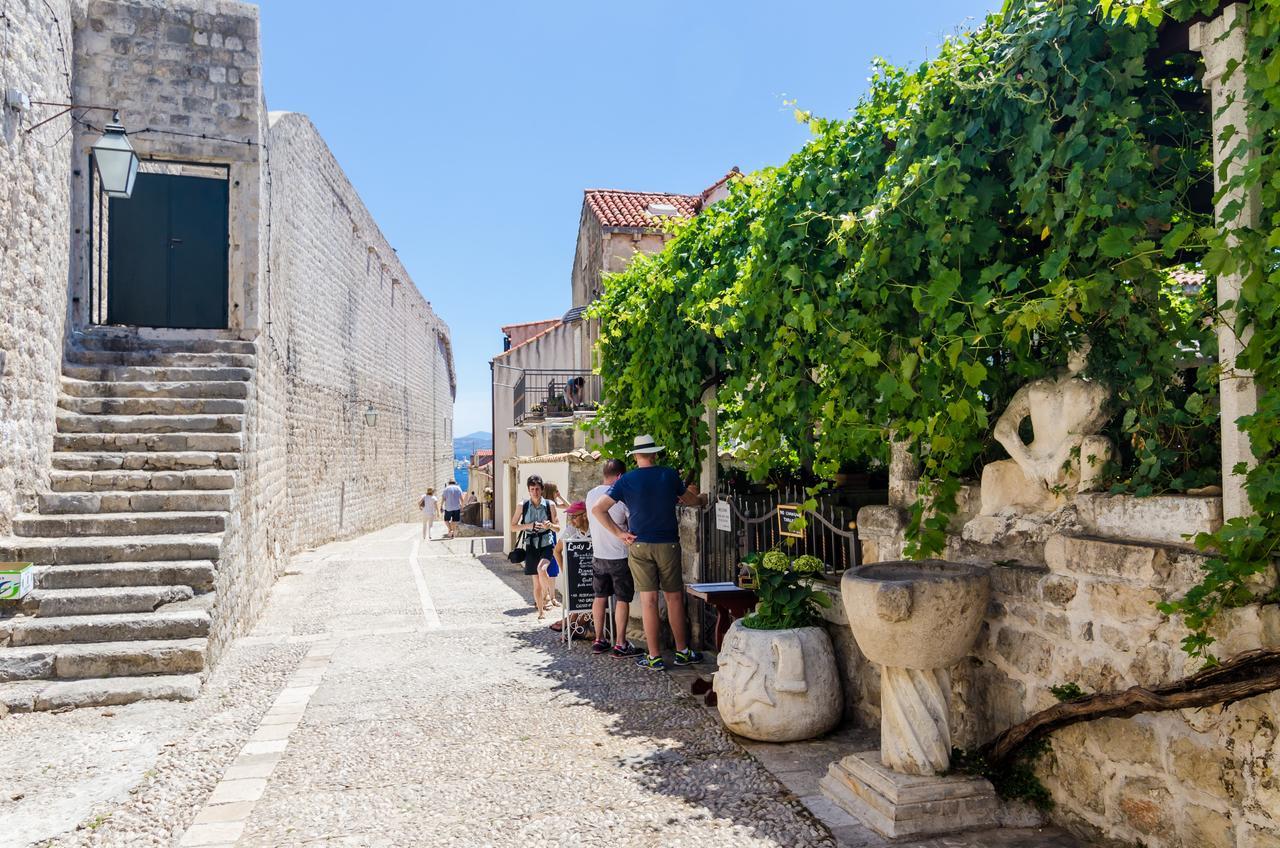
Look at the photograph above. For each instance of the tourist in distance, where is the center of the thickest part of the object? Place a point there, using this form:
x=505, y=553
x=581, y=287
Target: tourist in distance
x=536, y=518
x=651, y=492
x=452, y=502
x=609, y=565
x=551, y=492
x=430, y=510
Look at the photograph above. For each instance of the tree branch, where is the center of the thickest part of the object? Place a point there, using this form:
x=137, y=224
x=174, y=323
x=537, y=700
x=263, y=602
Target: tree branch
x=1243, y=676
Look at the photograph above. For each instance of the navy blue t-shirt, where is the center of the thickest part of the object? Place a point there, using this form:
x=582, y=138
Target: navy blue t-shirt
x=650, y=495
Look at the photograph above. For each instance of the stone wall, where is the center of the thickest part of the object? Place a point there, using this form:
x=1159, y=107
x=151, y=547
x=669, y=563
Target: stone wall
x=336, y=319
x=35, y=176
x=348, y=329
x=1083, y=612
x=178, y=70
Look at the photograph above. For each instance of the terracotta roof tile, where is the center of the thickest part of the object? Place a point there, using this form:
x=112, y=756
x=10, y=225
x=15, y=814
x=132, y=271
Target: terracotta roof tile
x=616, y=208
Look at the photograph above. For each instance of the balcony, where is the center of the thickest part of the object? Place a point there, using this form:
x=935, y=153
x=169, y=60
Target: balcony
x=545, y=394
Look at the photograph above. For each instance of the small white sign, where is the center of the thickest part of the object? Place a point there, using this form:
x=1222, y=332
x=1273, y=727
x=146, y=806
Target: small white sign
x=724, y=516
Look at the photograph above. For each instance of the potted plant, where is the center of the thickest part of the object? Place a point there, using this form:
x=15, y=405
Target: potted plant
x=777, y=679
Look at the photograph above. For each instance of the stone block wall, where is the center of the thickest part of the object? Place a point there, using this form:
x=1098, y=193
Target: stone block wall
x=35, y=176
x=336, y=319
x=1085, y=614
x=186, y=77
x=347, y=328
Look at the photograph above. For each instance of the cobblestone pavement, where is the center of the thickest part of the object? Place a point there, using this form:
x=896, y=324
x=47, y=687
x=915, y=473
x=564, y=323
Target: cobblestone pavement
x=398, y=693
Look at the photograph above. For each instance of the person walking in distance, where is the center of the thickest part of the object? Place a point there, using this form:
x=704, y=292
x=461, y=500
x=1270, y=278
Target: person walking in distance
x=651, y=492
x=452, y=502
x=609, y=565
x=430, y=510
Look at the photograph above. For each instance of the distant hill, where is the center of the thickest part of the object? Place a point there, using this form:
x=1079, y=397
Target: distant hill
x=464, y=446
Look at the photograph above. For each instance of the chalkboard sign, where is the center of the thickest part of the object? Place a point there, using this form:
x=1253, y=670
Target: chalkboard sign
x=788, y=513
x=578, y=576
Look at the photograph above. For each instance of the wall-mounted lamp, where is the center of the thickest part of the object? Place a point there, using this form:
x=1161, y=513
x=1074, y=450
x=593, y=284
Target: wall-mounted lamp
x=370, y=415
x=117, y=160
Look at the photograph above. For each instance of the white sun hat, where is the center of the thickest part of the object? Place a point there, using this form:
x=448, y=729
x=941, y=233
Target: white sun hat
x=644, y=444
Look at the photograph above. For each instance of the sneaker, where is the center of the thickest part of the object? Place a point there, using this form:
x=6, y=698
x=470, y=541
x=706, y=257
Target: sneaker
x=626, y=650
x=688, y=657
x=599, y=646
x=652, y=663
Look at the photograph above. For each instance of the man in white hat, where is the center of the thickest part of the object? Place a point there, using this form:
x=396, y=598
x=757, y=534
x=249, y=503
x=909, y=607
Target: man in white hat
x=651, y=492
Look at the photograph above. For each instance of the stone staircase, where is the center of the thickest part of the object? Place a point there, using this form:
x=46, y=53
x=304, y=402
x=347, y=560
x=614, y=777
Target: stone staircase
x=127, y=539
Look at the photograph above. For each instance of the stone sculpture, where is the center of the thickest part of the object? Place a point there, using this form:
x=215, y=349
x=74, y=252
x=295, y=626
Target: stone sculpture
x=1065, y=455
x=778, y=685
x=916, y=620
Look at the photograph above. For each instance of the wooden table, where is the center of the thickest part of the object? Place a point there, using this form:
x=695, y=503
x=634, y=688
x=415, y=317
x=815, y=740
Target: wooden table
x=729, y=600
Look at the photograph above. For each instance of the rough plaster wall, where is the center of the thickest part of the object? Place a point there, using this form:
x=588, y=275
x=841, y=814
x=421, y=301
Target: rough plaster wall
x=558, y=349
x=348, y=327
x=1190, y=779
x=35, y=173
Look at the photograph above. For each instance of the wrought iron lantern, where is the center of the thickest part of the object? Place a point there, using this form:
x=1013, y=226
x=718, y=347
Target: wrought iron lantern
x=117, y=160
x=370, y=415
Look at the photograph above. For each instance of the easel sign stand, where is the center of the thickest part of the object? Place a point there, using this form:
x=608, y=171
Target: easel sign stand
x=579, y=589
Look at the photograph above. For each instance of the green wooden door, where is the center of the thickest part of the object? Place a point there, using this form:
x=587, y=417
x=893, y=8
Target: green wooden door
x=167, y=253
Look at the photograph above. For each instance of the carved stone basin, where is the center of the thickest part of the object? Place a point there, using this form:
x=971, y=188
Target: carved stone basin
x=916, y=620
x=910, y=614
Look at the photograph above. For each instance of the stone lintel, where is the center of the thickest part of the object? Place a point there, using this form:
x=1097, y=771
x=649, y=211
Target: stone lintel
x=903, y=805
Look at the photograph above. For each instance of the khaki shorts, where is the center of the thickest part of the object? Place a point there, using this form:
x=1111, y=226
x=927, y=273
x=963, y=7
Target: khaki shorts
x=656, y=565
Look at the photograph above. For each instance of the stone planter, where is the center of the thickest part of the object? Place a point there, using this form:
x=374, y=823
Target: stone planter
x=778, y=685
x=916, y=620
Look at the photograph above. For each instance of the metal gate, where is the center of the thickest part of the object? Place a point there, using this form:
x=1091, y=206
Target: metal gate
x=160, y=257
x=831, y=535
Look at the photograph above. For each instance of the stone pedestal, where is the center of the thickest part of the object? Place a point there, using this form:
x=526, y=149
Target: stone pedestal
x=906, y=805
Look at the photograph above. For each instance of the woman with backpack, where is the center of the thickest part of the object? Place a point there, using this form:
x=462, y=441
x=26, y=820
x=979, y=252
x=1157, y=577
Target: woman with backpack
x=536, y=523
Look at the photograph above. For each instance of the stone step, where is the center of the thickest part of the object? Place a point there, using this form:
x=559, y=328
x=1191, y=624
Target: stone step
x=70, y=422
x=28, y=696
x=176, y=461
x=99, y=340
x=153, y=389
x=111, y=549
x=151, y=406
x=79, y=503
x=101, y=600
x=161, y=358
x=119, y=524
x=197, y=574
x=102, y=659
x=120, y=627
x=153, y=374
x=163, y=442
x=140, y=481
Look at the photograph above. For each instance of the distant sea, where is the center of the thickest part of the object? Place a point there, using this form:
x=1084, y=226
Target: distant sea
x=463, y=448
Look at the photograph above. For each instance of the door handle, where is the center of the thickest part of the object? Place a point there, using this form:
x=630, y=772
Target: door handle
x=174, y=242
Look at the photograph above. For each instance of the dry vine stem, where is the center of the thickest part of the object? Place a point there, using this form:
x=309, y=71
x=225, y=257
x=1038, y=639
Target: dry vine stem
x=1243, y=676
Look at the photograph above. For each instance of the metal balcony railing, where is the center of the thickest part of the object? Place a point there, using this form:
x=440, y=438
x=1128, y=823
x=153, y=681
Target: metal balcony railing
x=542, y=394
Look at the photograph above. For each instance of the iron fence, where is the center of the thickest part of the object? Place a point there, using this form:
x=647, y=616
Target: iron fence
x=754, y=526
x=544, y=393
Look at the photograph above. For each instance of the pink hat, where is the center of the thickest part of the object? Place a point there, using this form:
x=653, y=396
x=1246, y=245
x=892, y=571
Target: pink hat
x=576, y=506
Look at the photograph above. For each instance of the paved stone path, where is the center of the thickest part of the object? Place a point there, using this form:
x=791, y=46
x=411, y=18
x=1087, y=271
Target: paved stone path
x=398, y=693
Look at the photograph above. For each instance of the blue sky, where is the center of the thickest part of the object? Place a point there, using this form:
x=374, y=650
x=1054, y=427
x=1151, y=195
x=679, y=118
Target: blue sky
x=471, y=129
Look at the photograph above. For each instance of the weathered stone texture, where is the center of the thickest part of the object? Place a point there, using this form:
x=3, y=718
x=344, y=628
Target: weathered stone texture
x=347, y=327
x=35, y=173
x=1169, y=780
